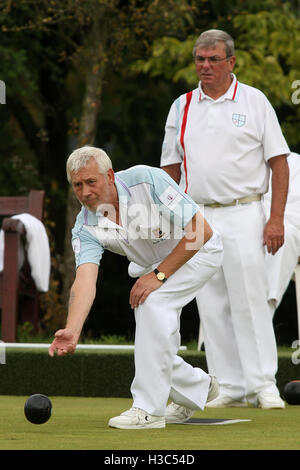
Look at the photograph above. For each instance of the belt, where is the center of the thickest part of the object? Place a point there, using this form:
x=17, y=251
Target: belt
x=235, y=202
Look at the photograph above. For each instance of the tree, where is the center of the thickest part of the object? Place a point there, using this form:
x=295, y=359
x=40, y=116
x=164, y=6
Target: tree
x=93, y=53
x=115, y=32
x=74, y=74
x=267, y=40
x=90, y=39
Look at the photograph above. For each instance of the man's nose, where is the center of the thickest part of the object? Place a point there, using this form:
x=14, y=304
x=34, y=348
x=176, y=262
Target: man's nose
x=206, y=63
x=85, y=190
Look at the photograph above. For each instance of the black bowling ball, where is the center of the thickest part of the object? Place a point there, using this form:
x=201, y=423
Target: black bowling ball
x=291, y=392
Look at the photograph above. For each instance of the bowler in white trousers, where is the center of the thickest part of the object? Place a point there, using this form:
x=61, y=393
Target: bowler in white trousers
x=281, y=266
x=141, y=213
x=221, y=141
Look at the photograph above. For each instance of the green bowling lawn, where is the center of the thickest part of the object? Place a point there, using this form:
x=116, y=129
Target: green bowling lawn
x=81, y=424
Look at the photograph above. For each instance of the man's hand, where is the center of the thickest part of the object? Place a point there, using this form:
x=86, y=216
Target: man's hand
x=142, y=288
x=64, y=343
x=274, y=235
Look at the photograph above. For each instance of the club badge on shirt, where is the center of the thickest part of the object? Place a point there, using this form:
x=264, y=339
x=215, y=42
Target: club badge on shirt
x=170, y=197
x=238, y=120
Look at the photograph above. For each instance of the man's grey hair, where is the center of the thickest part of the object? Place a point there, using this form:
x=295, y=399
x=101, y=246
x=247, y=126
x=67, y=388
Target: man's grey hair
x=81, y=156
x=211, y=37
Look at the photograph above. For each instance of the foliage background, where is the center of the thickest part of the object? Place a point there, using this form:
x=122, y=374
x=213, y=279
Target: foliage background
x=105, y=73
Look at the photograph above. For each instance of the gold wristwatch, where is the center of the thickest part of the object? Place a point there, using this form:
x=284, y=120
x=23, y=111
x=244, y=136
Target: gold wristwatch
x=160, y=275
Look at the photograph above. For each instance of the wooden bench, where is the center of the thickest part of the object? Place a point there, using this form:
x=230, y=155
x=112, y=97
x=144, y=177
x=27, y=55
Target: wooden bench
x=19, y=298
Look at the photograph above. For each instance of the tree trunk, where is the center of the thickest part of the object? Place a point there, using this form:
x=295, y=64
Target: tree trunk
x=95, y=59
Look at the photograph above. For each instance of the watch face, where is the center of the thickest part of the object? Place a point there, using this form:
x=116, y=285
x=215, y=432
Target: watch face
x=160, y=276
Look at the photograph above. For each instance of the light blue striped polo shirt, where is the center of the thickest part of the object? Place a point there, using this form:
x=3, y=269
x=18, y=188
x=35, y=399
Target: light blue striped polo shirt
x=153, y=212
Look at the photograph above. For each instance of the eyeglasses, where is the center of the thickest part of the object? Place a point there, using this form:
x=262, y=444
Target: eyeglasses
x=213, y=60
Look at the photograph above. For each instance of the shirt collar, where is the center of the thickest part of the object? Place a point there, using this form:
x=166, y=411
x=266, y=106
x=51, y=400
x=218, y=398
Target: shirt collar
x=123, y=190
x=90, y=218
x=230, y=94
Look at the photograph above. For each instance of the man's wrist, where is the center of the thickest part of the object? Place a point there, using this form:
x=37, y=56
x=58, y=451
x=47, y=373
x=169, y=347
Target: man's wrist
x=160, y=275
x=277, y=217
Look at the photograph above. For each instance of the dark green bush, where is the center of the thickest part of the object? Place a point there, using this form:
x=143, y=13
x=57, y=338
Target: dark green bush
x=106, y=373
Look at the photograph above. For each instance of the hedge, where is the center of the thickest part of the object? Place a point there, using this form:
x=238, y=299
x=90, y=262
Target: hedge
x=92, y=373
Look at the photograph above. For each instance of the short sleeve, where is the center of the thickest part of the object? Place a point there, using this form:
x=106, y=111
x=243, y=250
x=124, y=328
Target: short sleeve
x=274, y=143
x=171, y=199
x=87, y=248
x=170, y=153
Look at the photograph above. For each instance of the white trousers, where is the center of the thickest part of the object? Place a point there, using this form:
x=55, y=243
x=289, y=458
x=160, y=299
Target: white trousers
x=237, y=324
x=160, y=373
x=281, y=266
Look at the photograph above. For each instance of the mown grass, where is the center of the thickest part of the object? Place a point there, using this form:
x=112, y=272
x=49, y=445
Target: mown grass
x=80, y=423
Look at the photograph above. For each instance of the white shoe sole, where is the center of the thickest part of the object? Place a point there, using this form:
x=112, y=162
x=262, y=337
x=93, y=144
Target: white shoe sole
x=234, y=404
x=156, y=425
x=275, y=407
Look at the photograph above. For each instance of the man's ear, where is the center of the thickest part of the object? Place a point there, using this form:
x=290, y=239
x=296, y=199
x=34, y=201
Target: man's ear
x=111, y=175
x=232, y=61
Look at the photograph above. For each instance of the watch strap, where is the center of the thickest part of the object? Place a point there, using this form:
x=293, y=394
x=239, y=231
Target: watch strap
x=158, y=273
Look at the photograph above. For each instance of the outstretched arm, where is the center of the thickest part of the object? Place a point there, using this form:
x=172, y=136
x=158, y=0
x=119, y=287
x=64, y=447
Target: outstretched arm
x=82, y=295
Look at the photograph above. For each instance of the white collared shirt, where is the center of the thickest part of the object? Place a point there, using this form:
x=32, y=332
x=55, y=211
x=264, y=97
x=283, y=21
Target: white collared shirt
x=223, y=145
